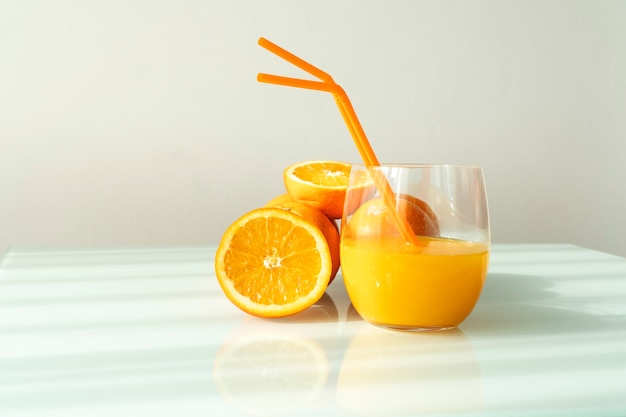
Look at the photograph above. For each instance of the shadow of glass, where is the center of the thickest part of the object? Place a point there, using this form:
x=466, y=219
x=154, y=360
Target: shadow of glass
x=515, y=288
x=550, y=343
x=513, y=304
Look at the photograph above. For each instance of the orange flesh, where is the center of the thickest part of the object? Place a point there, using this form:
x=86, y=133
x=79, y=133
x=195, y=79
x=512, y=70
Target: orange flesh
x=273, y=273
x=327, y=175
x=273, y=263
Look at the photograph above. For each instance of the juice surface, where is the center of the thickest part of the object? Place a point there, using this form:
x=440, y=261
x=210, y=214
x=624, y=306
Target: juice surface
x=394, y=284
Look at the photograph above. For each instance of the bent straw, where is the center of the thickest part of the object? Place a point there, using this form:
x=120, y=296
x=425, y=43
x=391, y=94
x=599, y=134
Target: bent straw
x=298, y=62
x=369, y=157
x=351, y=120
x=296, y=82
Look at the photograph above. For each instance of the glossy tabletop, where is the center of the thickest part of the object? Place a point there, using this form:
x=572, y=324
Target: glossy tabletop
x=148, y=332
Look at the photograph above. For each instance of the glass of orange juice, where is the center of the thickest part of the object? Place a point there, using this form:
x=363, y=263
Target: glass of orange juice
x=431, y=282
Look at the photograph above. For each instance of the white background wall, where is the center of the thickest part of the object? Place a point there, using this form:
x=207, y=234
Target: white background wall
x=141, y=122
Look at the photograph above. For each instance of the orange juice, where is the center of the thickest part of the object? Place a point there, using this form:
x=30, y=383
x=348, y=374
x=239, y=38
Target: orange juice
x=434, y=285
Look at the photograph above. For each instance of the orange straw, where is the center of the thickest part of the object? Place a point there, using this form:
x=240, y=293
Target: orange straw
x=298, y=62
x=296, y=82
x=352, y=122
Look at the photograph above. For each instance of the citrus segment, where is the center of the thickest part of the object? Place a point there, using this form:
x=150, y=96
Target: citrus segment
x=320, y=184
x=273, y=263
x=316, y=217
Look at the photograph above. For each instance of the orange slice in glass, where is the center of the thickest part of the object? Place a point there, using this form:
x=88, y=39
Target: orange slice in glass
x=373, y=218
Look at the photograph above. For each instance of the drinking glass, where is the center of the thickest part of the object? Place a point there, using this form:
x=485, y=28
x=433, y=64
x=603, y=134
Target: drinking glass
x=433, y=281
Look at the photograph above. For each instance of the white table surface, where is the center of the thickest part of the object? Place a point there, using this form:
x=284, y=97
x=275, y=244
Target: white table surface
x=148, y=332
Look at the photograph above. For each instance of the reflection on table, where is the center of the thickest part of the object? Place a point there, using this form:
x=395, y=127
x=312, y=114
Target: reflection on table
x=147, y=331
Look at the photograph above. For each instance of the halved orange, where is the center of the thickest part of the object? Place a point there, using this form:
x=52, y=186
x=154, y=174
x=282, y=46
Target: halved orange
x=328, y=227
x=273, y=263
x=320, y=184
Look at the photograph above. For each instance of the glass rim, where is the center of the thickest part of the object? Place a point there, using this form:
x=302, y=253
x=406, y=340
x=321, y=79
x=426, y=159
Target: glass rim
x=417, y=165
